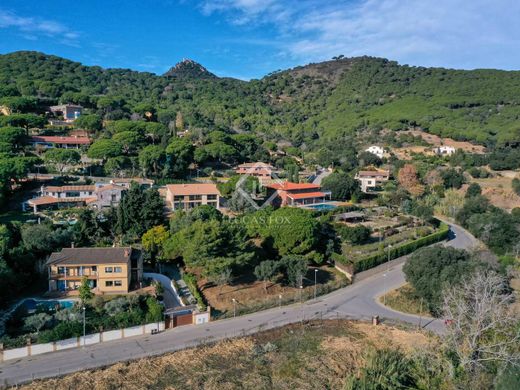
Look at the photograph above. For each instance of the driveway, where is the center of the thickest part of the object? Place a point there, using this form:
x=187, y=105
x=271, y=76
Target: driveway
x=322, y=175
x=357, y=301
x=171, y=299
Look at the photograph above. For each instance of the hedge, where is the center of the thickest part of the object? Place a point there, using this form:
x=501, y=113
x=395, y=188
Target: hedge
x=191, y=282
x=401, y=250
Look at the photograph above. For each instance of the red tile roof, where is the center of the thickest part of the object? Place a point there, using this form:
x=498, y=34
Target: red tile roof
x=255, y=165
x=193, y=189
x=373, y=174
x=83, y=188
x=61, y=140
x=307, y=195
x=105, y=255
x=288, y=186
x=44, y=200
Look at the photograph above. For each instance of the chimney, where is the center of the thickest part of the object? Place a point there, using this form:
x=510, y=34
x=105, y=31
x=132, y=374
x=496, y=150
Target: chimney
x=127, y=253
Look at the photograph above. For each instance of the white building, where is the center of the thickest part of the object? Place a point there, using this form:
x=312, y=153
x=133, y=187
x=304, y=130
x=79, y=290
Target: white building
x=444, y=150
x=377, y=150
x=372, y=181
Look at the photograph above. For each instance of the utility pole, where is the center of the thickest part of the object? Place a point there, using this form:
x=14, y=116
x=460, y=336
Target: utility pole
x=386, y=273
x=84, y=327
x=420, y=315
x=315, y=280
x=234, y=307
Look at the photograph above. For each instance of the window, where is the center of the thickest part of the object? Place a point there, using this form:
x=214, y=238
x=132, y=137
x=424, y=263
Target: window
x=118, y=283
x=109, y=283
x=195, y=197
x=178, y=198
x=109, y=270
x=212, y=197
x=118, y=270
x=94, y=268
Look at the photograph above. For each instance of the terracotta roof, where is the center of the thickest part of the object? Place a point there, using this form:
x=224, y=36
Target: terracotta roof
x=193, y=189
x=61, y=140
x=138, y=180
x=110, y=187
x=44, y=200
x=288, y=186
x=61, y=106
x=307, y=195
x=69, y=188
x=373, y=173
x=254, y=171
x=78, y=256
x=255, y=165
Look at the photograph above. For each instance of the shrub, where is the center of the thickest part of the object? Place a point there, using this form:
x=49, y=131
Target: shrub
x=191, y=282
x=355, y=235
x=516, y=185
x=401, y=250
x=62, y=331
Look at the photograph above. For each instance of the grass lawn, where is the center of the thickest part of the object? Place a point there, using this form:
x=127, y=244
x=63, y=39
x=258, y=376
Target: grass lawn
x=404, y=300
x=251, y=295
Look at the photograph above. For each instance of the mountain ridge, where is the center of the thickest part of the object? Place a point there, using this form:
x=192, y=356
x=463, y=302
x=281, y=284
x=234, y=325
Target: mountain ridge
x=306, y=104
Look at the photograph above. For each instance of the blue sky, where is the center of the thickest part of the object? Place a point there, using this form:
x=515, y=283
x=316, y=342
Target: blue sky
x=250, y=38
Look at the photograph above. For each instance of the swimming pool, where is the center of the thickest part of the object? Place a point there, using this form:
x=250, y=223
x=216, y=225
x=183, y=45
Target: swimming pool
x=30, y=304
x=322, y=206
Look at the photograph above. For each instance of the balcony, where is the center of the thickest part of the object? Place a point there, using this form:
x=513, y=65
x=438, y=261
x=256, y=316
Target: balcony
x=73, y=274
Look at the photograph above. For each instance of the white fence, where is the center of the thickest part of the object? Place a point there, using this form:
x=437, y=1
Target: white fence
x=37, y=349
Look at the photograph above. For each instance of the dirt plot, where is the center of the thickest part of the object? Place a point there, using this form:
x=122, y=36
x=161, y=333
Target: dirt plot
x=499, y=190
x=406, y=153
x=249, y=293
x=315, y=355
x=435, y=140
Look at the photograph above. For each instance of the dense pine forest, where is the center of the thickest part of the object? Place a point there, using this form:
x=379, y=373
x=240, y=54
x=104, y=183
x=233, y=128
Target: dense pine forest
x=310, y=106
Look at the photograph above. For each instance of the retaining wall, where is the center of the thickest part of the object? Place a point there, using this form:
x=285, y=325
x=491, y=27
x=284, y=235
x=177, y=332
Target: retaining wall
x=75, y=342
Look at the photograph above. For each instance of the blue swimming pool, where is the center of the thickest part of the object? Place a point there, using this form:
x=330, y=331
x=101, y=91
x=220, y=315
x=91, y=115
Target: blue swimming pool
x=323, y=206
x=30, y=304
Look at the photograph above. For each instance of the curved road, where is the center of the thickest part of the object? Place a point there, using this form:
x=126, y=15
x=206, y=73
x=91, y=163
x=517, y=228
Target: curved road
x=357, y=301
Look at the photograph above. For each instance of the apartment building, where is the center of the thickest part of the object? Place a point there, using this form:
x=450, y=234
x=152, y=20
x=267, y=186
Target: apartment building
x=108, y=270
x=188, y=196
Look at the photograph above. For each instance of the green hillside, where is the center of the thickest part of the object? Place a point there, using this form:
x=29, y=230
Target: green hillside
x=308, y=104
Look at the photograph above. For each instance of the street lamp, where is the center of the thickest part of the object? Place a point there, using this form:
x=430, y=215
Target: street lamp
x=301, y=294
x=84, y=328
x=315, y=281
x=280, y=301
x=234, y=307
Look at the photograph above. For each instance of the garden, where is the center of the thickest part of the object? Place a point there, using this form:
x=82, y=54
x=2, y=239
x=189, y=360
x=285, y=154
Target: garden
x=47, y=323
x=382, y=234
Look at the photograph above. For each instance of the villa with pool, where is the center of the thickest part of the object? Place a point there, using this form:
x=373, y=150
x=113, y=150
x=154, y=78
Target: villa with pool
x=108, y=270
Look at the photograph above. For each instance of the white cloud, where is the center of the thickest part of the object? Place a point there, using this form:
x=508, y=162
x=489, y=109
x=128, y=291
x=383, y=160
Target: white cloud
x=32, y=28
x=453, y=33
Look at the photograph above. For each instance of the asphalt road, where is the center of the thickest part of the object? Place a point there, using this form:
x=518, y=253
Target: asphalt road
x=357, y=301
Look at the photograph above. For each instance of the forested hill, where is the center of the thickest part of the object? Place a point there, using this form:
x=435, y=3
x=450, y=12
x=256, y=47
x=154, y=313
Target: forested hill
x=312, y=105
